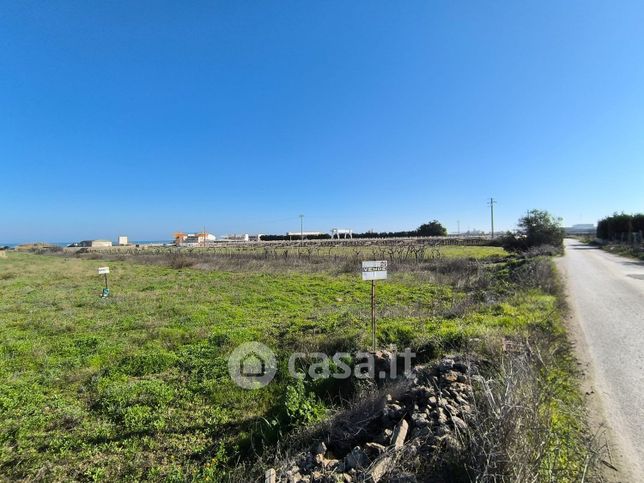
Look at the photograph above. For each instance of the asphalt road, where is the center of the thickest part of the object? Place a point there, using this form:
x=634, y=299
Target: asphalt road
x=606, y=294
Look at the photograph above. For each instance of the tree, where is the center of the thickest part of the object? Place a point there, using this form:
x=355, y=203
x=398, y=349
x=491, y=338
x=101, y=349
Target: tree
x=537, y=228
x=433, y=228
x=620, y=226
x=541, y=228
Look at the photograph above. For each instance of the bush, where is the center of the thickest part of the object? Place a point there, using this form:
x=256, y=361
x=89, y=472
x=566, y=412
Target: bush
x=179, y=260
x=537, y=273
x=302, y=407
x=433, y=228
x=536, y=229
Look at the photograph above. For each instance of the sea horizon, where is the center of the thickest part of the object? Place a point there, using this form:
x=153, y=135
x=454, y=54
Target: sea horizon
x=65, y=244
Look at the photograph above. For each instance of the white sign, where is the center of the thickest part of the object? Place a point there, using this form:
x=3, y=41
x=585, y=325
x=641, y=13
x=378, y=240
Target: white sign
x=103, y=270
x=376, y=270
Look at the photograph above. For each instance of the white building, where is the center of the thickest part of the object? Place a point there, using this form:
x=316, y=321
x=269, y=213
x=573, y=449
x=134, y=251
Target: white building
x=194, y=239
x=95, y=243
x=236, y=237
x=341, y=233
x=303, y=234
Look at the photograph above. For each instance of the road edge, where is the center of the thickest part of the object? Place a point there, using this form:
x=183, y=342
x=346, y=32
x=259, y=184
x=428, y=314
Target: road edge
x=616, y=467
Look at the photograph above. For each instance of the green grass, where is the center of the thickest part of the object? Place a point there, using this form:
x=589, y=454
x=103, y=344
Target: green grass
x=478, y=252
x=136, y=386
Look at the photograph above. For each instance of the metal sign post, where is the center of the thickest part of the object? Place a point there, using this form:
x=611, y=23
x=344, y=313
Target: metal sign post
x=373, y=314
x=104, y=271
x=374, y=270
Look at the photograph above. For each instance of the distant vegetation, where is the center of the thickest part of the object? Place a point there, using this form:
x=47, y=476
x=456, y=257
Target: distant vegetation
x=622, y=234
x=432, y=228
x=39, y=247
x=537, y=229
x=620, y=227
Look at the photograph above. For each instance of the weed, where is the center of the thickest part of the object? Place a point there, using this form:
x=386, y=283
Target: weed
x=301, y=406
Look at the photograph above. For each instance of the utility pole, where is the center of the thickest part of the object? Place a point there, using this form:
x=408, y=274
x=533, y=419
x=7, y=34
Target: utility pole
x=458, y=224
x=301, y=230
x=491, y=203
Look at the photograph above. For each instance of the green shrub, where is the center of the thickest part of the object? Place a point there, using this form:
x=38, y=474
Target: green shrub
x=302, y=407
x=433, y=228
x=537, y=228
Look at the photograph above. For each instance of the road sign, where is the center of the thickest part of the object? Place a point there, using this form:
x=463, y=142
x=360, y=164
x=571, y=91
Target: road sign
x=104, y=271
x=374, y=270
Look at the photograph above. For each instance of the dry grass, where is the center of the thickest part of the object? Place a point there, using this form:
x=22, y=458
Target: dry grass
x=529, y=419
x=340, y=259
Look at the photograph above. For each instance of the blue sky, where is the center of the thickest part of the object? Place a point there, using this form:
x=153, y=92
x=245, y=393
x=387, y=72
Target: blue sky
x=147, y=117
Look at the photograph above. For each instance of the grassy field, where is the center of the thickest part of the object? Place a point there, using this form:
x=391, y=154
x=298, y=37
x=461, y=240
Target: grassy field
x=136, y=386
x=363, y=251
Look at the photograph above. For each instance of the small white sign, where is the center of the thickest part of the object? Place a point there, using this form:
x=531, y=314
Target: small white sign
x=103, y=270
x=374, y=270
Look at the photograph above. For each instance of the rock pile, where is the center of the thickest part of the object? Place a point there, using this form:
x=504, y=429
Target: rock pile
x=421, y=417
